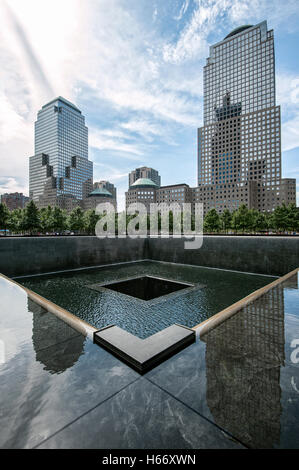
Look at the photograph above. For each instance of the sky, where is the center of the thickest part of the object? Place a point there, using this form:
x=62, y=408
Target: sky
x=135, y=70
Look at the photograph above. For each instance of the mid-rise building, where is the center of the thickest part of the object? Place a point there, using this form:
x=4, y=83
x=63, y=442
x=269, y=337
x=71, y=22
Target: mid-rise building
x=239, y=146
x=60, y=172
x=98, y=196
x=288, y=190
x=103, y=192
x=147, y=192
x=142, y=190
x=175, y=194
x=106, y=185
x=14, y=200
x=144, y=172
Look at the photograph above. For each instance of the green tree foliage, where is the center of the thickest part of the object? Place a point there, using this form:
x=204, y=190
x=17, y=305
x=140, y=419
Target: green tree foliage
x=46, y=219
x=293, y=218
x=16, y=221
x=76, y=220
x=261, y=222
x=4, y=217
x=241, y=219
x=90, y=221
x=59, y=218
x=212, y=221
x=31, y=221
x=280, y=218
x=226, y=220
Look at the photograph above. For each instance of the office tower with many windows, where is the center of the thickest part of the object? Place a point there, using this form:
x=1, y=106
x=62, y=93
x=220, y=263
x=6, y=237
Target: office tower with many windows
x=239, y=146
x=60, y=171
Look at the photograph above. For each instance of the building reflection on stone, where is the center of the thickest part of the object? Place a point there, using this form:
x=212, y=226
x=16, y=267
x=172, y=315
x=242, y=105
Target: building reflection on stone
x=243, y=359
x=50, y=339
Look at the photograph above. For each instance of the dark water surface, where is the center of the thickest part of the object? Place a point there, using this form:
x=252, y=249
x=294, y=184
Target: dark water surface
x=217, y=290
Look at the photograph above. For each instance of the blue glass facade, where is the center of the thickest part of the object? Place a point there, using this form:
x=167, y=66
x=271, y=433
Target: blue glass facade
x=61, y=134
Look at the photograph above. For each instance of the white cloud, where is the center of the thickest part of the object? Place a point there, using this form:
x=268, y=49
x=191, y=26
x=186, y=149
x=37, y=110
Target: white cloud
x=192, y=41
x=288, y=97
x=12, y=185
x=242, y=9
x=183, y=10
x=33, y=68
x=111, y=173
x=210, y=15
x=287, y=89
x=80, y=52
x=290, y=134
x=145, y=128
x=103, y=55
x=254, y=11
x=12, y=123
x=101, y=140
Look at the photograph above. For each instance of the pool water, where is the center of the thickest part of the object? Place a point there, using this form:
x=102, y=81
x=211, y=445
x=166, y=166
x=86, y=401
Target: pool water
x=213, y=291
x=145, y=287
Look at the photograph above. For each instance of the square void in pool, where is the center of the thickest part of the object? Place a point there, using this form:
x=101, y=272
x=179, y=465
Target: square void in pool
x=146, y=287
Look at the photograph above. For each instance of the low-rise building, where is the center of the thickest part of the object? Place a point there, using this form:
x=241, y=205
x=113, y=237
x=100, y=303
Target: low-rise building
x=106, y=185
x=14, y=200
x=98, y=196
x=288, y=191
x=175, y=194
x=143, y=190
x=145, y=173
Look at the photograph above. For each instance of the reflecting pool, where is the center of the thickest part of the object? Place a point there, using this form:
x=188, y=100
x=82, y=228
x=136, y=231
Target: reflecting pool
x=212, y=291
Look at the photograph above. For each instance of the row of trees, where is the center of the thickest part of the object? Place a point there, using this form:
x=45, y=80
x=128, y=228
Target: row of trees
x=32, y=220
x=282, y=219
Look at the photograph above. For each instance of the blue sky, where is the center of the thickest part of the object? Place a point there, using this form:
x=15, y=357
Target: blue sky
x=134, y=68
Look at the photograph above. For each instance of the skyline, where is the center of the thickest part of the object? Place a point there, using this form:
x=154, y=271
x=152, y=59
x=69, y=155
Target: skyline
x=141, y=107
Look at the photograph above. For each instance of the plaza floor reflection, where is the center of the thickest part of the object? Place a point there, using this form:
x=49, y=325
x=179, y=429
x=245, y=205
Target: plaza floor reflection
x=245, y=360
x=243, y=377
x=48, y=332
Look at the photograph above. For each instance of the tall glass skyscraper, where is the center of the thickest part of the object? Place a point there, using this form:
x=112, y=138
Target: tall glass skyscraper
x=239, y=146
x=60, y=167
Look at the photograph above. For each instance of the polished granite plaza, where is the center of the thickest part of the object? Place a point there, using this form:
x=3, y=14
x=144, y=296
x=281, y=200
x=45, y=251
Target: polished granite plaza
x=236, y=387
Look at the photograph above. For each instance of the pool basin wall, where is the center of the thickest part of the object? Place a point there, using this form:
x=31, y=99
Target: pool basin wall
x=35, y=255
